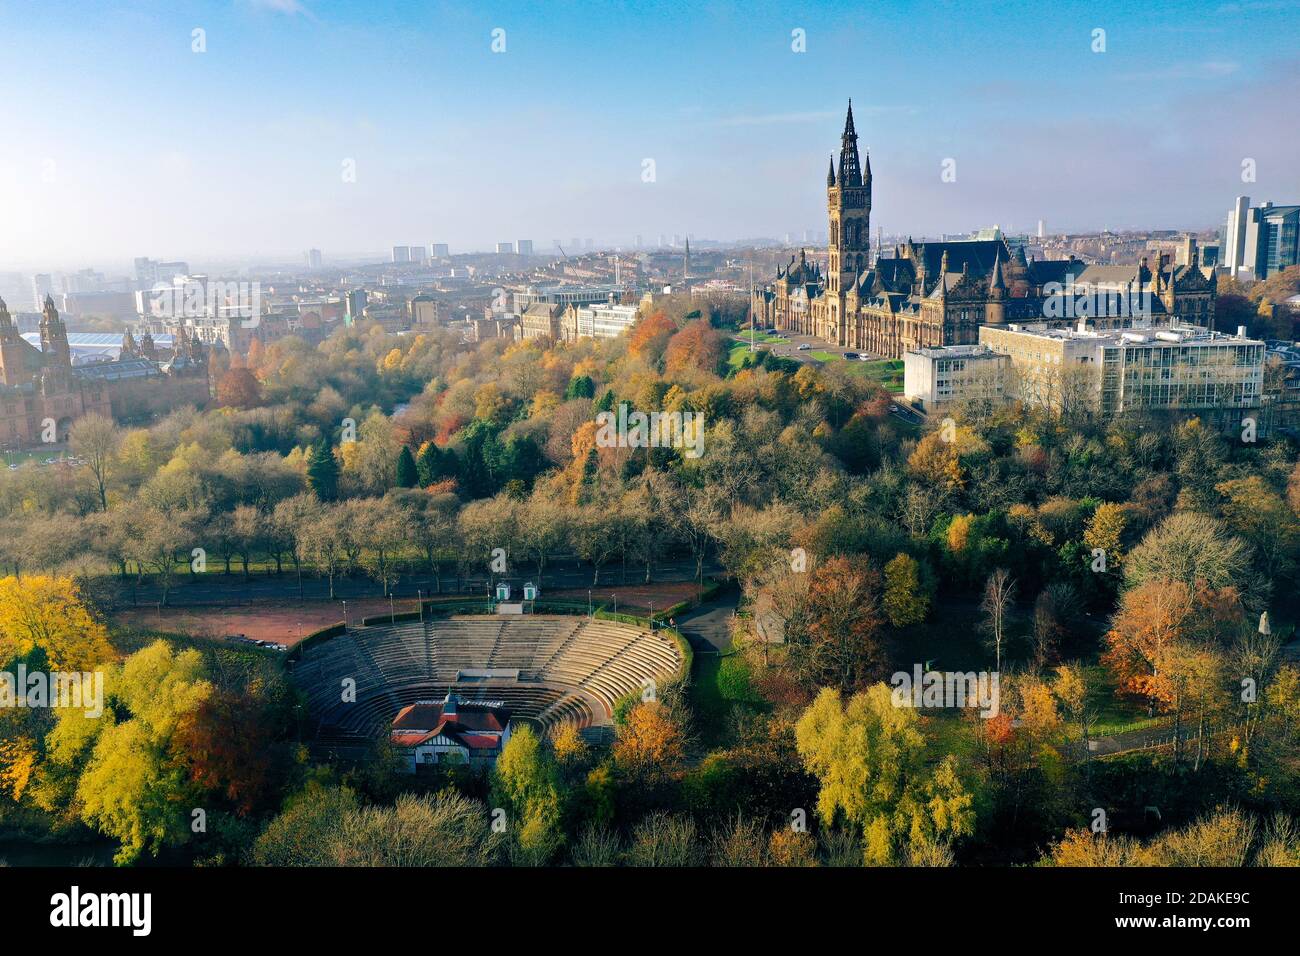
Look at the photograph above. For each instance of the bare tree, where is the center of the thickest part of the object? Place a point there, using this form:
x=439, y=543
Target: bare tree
x=999, y=595
x=96, y=439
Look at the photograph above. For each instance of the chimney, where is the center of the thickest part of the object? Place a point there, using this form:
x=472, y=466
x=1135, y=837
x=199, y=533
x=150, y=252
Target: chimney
x=1241, y=331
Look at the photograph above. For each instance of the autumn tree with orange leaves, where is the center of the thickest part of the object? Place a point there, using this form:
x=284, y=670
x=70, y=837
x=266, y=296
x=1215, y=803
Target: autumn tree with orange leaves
x=696, y=348
x=650, y=336
x=844, y=623
x=1153, y=620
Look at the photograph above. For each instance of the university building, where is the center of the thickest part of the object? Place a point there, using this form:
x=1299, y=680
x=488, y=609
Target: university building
x=933, y=294
x=39, y=385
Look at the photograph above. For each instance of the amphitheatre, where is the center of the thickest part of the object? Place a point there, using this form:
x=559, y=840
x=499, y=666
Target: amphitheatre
x=550, y=669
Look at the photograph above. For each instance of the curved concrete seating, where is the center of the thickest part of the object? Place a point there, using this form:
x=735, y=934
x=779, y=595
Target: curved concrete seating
x=570, y=669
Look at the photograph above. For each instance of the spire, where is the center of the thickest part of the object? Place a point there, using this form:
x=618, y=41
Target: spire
x=866, y=165
x=996, y=286
x=54, y=334
x=830, y=176
x=850, y=173
x=8, y=331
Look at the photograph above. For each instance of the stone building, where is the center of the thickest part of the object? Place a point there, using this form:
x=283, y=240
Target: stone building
x=932, y=294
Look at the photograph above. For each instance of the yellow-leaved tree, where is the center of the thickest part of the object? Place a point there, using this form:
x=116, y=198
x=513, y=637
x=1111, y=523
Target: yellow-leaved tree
x=870, y=758
x=39, y=611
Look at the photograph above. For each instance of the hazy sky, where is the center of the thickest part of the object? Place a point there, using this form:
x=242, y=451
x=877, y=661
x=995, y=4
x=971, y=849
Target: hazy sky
x=120, y=141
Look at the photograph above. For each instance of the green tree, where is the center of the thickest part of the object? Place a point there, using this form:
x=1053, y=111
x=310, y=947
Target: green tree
x=905, y=601
x=525, y=782
x=407, y=475
x=323, y=472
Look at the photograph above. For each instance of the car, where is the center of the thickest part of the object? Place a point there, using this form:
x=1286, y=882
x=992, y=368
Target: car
x=864, y=357
x=805, y=347
x=850, y=355
x=893, y=408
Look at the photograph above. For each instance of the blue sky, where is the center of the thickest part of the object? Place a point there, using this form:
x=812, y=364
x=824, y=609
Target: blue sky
x=121, y=141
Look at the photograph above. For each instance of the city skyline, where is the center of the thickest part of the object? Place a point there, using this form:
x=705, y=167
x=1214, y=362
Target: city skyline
x=452, y=142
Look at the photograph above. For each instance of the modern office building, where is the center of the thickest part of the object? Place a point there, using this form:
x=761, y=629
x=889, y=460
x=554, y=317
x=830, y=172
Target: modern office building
x=524, y=247
x=505, y=248
x=1158, y=369
x=936, y=377
x=607, y=321
x=313, y=259
x=1259, y=241
x=565, y=295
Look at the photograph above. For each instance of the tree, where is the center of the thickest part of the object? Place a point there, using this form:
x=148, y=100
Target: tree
x=384, y=526
x=843, y=624
x=324, y=541
x=132, y=788
x=595, y=537
x=447, y=830
x=323, y=472
x=525, y=782
x=1056, y=611
x=695, y=524
x=580, y=386
x=239, y=388
x=649, y=743
x=649, y=337
x=47, y=613
x=306, y=831
x=1262, y=516
x=1153, y=619
x=1075, y=688
x=406, y=473
x=697, y=347
x=95, y=439
x=869, y=758
x=432, y=464
x=545, y=529
x=292, y=520
x=1193, y=549
x=1104, y=532
x=905, y=601
x=999, y=597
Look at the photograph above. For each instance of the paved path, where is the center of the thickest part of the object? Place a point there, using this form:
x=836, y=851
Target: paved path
x=708, y=627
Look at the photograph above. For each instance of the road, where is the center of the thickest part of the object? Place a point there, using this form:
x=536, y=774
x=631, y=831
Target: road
x=216, y=587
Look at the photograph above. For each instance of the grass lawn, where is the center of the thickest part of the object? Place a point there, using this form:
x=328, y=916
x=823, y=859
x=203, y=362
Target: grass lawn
x=719, y=683
x=888, y=372
x=737, y=354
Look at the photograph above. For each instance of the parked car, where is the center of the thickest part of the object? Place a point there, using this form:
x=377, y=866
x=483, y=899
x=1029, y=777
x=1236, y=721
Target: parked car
x=805, y=347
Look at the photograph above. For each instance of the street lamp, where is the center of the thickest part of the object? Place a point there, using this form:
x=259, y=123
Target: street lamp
x=345, y=615
x=588, y=602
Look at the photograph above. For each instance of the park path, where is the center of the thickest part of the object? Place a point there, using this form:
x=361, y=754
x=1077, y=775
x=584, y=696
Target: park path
x=708, y=627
